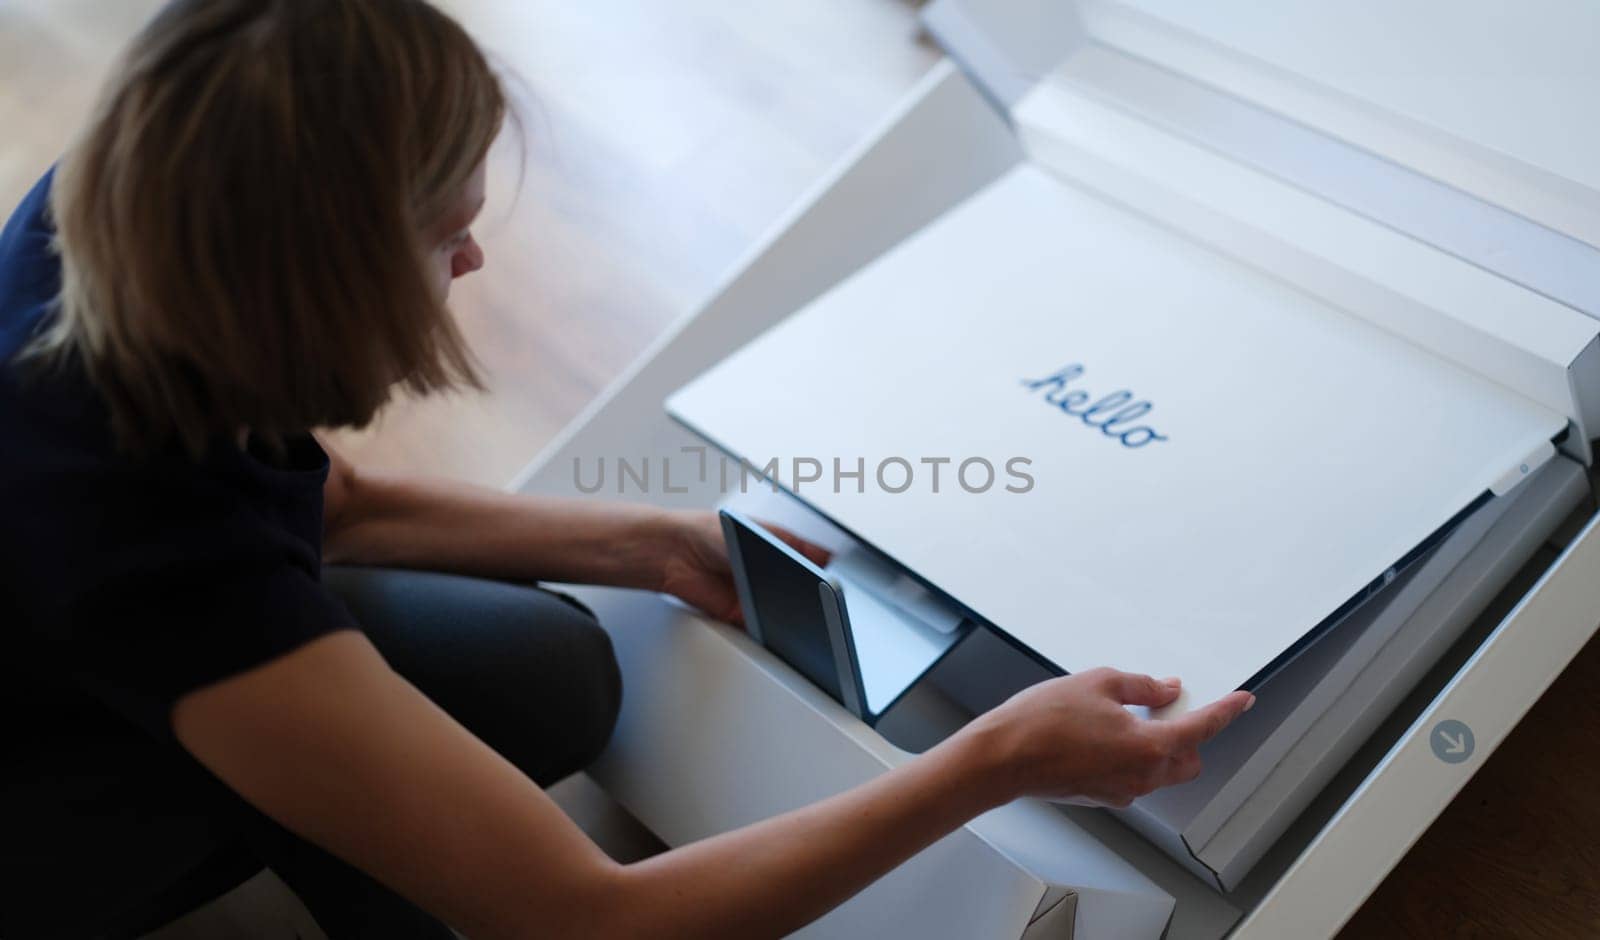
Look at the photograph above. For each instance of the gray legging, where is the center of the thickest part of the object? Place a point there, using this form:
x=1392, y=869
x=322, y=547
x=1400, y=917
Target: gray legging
x=527, y=670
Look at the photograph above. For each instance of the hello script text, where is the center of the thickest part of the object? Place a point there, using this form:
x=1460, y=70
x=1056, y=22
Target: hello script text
x=1114, y=414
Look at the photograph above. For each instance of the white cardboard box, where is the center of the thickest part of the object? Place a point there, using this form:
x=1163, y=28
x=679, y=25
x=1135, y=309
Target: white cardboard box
x=671, y=769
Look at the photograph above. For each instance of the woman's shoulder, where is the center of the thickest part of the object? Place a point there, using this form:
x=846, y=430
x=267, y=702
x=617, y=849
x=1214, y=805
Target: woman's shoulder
x=91, y=527
x=30, y=282
x=30, y=269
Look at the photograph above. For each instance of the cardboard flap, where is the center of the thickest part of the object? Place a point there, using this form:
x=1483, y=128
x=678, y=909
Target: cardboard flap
x=1489, y=98
x=1005, y=46
x=1492, y=98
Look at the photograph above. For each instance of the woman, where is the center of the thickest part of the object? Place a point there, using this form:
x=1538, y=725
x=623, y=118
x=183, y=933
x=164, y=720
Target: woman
x=254, y=238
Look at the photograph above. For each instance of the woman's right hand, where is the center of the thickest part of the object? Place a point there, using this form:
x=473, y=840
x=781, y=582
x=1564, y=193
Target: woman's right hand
x=1071, y=739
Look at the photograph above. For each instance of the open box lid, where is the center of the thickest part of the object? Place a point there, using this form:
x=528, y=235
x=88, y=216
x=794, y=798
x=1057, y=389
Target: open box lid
x=1217, y=465
x=1493, y=99
x=1353, y=152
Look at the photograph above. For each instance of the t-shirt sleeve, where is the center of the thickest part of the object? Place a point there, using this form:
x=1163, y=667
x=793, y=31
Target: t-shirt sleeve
x=148, y=635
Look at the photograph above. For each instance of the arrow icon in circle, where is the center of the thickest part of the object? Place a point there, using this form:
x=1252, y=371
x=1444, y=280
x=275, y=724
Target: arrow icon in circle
x=1452, y=741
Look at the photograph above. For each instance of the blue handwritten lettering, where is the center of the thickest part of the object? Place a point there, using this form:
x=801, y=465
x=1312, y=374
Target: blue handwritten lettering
x=1058, y=380
x=1066, y=402
x=1109, y=414
x=1109, y=403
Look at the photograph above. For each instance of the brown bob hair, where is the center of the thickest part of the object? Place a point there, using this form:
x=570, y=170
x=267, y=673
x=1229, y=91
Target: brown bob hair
x=241, y=226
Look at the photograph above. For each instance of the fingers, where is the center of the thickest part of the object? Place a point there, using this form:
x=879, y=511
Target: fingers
x=1184, y=768
x=1203, y=724
x=1122, y=790
x=1133, y=689
x=815, y=554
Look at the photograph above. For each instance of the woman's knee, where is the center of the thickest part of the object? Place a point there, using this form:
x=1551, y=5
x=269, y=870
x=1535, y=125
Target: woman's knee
x=572, y=692
x=598, y=719
x=529, y=671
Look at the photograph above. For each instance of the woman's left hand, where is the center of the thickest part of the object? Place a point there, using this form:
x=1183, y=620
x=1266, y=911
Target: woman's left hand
x=695, y=566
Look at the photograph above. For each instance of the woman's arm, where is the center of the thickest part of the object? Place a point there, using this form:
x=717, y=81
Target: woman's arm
x=337, y=747
x=373, y=519
x=398, y=522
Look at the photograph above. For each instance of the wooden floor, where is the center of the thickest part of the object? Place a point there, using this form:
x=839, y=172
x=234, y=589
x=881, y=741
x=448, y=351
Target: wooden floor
x=661, y=140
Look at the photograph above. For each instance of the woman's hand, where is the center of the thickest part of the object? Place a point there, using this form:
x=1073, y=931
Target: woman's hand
x=1071, y=739
x=695, y=568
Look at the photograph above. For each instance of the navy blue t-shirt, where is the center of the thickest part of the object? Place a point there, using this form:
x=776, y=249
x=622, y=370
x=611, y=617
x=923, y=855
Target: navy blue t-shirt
x=126, y=582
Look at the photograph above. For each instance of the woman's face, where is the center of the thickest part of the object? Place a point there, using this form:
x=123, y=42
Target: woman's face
x=454, y=251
